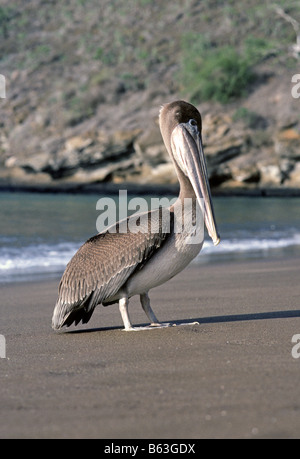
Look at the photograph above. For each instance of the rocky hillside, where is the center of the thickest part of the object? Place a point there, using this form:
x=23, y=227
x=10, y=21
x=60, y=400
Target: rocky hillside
x=85, y=80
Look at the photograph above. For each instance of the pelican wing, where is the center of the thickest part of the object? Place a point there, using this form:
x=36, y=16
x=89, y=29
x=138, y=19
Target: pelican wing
x=101, y=267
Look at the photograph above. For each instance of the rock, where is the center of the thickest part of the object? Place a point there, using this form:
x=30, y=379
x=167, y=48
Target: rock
x=36, y=163
x=11, y=161
x=78, y=143
x=287, y=143
x=164, y=173
x=99, y=174
x=150, y=147
x=288, y=135
x=270, y=174
x=235, y=185
x=219, y=174
x=294, y=177
x=237, y=157
x=220, y=153
x=247, y=174
x=18, y=175
x=244, y=169
x=286, y=167
x=90, y=157
x=221, y=142
x=88, y=176
x=161, y=174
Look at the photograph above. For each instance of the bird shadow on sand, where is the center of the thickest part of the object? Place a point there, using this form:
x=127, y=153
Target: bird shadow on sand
x=203, y=320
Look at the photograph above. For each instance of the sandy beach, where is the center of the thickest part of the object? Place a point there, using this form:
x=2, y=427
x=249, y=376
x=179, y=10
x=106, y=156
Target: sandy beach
x=230, y=376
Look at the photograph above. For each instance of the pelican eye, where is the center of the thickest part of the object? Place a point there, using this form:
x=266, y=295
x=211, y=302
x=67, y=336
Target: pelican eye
x=193, y=126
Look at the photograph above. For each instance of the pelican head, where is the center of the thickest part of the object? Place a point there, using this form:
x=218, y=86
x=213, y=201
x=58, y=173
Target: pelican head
x=181, y=126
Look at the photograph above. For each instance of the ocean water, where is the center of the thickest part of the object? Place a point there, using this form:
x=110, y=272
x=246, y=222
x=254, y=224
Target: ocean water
x=39, y=233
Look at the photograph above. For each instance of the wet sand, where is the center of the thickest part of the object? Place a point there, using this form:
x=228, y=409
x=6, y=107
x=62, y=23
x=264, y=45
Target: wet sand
x=230, y=376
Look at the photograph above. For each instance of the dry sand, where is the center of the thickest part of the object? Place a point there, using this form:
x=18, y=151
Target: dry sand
x=231, y=376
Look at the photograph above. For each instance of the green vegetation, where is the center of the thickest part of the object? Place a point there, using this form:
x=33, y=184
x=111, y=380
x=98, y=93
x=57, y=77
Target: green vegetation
x=222, y=66
x=220, y=73
x=209, y=73
x=6, y=13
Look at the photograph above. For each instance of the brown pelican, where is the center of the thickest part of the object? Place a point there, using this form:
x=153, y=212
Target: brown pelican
x=113, y=266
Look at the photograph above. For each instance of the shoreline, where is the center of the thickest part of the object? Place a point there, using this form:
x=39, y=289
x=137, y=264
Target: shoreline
x=200, y=263
x=142, y=189
x=231, y=375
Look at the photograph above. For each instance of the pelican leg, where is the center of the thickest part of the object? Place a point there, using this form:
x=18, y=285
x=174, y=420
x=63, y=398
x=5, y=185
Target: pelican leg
x=123, y=307
x=145, y=302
